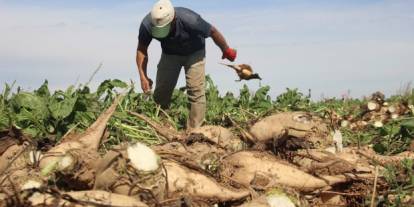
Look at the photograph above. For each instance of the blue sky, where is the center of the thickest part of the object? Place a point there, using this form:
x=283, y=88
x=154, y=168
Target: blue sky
x=329, y=46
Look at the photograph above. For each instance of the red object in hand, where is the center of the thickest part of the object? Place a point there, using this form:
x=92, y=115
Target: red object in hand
x=230, y=54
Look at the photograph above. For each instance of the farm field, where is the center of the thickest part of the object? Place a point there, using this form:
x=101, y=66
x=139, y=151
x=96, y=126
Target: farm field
x=115, y=147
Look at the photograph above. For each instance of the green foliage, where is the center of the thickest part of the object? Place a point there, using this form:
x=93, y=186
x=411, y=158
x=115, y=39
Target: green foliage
x=108, y=86
x=43, y=90
x=292, y=100
x=5, y=118
x=25, y=101
x=401, y=181
x=43, y=113
x=394, y=137
x=342, y=107
x=407, y=127
x=61, y=104
x=243, y=108
x=30, y=113
x=405, y=94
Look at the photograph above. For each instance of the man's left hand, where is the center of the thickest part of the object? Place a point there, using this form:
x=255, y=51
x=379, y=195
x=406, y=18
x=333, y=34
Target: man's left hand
x=229, y=54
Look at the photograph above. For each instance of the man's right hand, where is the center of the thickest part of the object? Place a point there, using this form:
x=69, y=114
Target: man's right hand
x=146, y=84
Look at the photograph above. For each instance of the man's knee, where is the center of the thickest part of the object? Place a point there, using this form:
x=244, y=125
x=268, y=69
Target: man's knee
x=197, y=98
x=196, y=89
x=196, y=94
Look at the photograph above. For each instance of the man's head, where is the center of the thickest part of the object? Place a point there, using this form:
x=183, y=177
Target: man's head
x=162, y=14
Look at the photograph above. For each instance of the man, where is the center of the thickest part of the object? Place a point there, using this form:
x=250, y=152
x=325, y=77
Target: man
x=182, y=34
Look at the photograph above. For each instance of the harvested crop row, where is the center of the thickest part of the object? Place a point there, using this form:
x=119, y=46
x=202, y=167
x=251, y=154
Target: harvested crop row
x=292, y=159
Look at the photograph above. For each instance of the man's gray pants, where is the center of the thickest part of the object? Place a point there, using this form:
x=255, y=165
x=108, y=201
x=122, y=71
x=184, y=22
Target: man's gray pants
x=169, y=69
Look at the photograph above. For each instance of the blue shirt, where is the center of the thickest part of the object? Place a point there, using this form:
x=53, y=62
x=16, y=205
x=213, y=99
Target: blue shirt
x=186, y=36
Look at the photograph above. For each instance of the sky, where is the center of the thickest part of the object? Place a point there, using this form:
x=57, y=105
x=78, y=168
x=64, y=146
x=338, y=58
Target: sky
x=328, y=46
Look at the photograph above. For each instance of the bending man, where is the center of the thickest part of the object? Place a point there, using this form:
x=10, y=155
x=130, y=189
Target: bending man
x=182, y=34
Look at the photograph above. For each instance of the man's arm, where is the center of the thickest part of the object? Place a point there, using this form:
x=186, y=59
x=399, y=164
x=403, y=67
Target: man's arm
x=201, y=27
x=220, y=41
x=142, y=61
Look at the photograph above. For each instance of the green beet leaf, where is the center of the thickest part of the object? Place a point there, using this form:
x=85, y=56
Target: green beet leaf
x=61, y=106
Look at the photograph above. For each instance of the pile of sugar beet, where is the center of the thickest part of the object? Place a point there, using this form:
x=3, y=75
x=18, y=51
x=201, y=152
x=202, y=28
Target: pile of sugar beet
x=283, y=160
